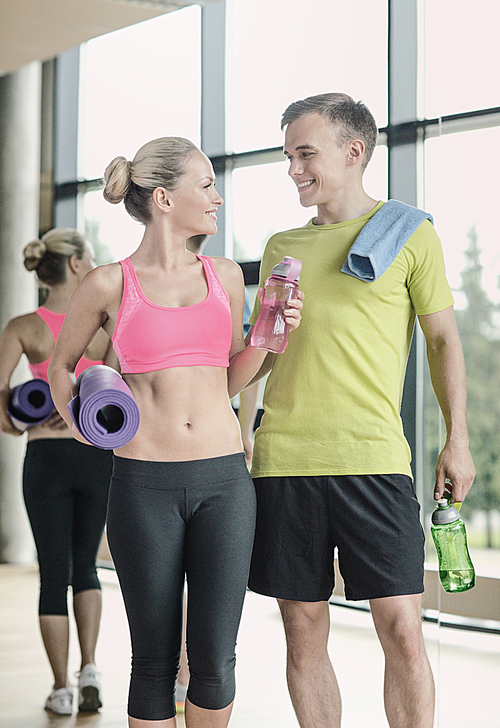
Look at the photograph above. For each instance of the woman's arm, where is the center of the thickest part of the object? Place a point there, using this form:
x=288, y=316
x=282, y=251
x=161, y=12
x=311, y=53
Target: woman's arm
x=268, y=361
x=11, y=350
x=245, y=360
x=87, y=312
x=111, y=360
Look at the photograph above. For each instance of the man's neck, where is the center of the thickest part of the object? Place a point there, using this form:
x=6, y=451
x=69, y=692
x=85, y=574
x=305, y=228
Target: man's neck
x=344, y=210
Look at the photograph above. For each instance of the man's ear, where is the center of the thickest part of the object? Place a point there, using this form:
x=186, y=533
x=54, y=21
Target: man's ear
x=356, y=151
x=162, y=199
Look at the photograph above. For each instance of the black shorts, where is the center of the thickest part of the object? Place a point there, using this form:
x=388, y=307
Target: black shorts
x=373, y=520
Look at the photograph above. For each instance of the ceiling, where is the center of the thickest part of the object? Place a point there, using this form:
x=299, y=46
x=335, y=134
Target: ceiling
x=32, y=30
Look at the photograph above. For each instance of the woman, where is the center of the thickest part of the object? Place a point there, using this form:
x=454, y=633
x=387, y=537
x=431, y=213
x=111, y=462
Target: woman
x=181, y=499
x=65, y=483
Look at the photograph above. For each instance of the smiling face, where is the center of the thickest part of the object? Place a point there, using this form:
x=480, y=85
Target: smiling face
x=196, y=200
x=319, y=166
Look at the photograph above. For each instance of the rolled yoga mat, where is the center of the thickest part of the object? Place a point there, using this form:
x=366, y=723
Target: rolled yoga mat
x=104, y=409
x=30, y=404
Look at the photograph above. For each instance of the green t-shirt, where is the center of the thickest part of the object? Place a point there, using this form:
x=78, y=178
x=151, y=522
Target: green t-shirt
x=332, y=400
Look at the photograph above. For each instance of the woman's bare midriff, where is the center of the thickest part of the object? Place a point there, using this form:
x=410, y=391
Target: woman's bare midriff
x=43, y=432
x=186, y=414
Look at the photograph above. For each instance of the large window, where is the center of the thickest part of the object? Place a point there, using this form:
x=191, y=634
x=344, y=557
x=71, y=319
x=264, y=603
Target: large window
x=134, y=89
x=284, y=50
x=141, y=83
x=461, y=189
x=461, y=56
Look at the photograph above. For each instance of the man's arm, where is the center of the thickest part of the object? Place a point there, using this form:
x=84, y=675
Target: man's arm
x=447, y=369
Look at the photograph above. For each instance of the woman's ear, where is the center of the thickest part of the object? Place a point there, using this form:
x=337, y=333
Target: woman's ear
x=162, y=199
x=73, y=264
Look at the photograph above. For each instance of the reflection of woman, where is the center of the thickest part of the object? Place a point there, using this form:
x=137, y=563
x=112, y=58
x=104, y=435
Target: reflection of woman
x=65, y=483
x=181, y=499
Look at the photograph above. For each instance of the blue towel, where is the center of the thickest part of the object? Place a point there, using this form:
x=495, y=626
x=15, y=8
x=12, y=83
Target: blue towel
x=381, y=239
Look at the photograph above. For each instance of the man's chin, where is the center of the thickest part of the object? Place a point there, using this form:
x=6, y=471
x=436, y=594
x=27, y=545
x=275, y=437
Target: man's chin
x=306, y=203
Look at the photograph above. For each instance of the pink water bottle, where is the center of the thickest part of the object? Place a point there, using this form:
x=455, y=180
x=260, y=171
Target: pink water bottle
x=271, y=331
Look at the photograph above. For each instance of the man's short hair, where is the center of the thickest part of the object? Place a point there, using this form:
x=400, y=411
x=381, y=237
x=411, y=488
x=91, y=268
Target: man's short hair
x=352, y=119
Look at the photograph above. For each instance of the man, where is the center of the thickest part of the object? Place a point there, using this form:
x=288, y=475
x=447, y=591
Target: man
x=331, y=464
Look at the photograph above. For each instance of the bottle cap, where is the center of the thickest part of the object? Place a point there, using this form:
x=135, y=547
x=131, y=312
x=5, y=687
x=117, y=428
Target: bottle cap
x=444, y=513
x=289, y=269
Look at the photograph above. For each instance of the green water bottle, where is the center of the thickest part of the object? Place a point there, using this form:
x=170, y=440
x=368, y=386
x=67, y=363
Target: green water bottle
x=448, y=531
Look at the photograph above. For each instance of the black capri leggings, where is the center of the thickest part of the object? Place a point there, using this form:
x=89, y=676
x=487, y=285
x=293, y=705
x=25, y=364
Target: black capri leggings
x=65, y=487
x=167, y=520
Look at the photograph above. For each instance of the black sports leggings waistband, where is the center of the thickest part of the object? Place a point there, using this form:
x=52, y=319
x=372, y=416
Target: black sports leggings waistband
x=169, y=475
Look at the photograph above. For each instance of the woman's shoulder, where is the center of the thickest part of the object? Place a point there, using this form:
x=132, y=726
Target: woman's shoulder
x=26, y=322
x=104, y=278
x=28, y=330
x=231, y=277
x=108, y=271
x=227, y=267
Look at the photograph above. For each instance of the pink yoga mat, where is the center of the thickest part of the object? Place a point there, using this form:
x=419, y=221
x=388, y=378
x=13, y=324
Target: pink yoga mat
x=104, y=410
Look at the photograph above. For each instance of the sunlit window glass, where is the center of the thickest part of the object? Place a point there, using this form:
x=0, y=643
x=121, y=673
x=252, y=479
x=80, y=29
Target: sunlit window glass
x=110, y=229
x=286, y=50
x=264, y=201
x=461, y=191
x=141, y=83
x=461, y=56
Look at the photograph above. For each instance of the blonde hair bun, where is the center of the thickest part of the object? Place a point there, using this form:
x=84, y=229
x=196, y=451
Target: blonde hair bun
x=116, y=180
x=33, y=254
x=49, y=256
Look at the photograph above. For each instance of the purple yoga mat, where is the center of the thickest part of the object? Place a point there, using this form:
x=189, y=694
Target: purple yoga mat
x=104, y=409
x=30, y=404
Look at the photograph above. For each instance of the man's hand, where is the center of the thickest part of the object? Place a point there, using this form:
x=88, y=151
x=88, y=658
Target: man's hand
x=292, y=313
x=455, y=465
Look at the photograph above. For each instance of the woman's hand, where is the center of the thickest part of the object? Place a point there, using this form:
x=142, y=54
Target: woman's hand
x=55, y=422
x=7, y=426
x=78, y=435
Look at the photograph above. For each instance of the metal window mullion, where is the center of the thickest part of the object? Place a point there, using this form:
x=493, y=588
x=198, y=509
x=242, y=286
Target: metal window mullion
x=404, y=185
x=66, y=114
x=214, y=78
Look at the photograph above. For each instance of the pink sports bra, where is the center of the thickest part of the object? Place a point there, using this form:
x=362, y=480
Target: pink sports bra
x=55, y=321
x=149, y=337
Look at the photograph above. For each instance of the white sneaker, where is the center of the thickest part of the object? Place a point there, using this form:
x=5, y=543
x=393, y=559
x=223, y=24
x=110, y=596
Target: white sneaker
x=89, y=686
x=60, y=701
